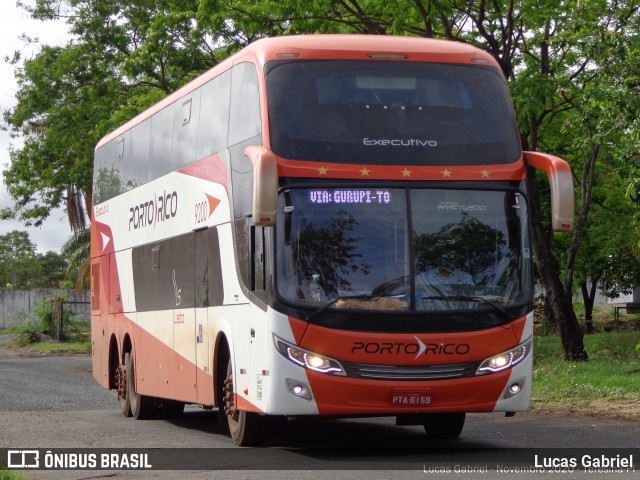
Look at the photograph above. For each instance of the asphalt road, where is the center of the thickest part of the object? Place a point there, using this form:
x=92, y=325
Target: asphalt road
x=53, y=402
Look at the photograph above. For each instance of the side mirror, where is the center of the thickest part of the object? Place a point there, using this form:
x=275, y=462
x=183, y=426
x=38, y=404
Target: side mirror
x=561, y=182
x=265, y=185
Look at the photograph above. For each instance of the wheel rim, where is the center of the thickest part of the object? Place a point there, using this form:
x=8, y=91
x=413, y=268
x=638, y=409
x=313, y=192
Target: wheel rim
x=121, y=385
x=232, y=413
x=131, y=391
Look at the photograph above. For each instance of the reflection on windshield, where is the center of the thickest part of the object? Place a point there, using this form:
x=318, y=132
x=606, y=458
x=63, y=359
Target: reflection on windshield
x=345, y=241
x=352, y=249
x=329, y=247
x=470, y=245
x=413, y=112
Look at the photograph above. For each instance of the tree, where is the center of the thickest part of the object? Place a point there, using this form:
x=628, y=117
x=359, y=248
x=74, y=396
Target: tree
x=22, y=267
x=54, y=270
x=589, y=123
x=518, y=34
x=125, y=57
x=573, y=68
x=19, y=265
x=563, y=62
x=609, y=255
x=76, y=251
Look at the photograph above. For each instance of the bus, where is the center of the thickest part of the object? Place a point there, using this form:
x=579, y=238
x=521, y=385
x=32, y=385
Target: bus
x=321, y=225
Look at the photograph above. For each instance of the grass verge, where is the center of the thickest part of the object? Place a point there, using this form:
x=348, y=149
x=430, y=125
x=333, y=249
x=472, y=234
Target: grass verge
x=9, y=475
x=76, y=340
x=607, y=385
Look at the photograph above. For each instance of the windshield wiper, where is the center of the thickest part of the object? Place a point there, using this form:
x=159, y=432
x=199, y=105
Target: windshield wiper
x=463, y=298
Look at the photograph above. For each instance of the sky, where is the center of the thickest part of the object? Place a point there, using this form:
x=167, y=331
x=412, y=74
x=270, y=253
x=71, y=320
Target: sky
x=13, y=23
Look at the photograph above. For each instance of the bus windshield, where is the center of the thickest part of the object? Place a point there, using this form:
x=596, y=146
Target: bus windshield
x=403, y=249
x=377, y=112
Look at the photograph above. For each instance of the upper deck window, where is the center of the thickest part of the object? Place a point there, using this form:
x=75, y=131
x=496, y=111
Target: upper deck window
x=381, y=112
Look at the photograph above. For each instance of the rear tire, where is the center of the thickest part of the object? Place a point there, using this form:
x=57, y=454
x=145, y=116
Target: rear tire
x=444, y=426
x=121, y=387
x=246, y=428
x=141, y=406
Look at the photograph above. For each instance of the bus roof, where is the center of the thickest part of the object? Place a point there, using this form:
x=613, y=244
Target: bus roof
x=328, y=47
x=366, y=47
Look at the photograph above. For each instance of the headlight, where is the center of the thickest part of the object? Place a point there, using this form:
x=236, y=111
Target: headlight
x=506, y=360
x=307, y=359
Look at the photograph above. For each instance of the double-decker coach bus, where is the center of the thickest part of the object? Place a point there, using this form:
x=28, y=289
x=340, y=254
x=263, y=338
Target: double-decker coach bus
x=321, y=226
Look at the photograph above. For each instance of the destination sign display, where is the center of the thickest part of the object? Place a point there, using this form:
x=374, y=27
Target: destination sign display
x=351, y=196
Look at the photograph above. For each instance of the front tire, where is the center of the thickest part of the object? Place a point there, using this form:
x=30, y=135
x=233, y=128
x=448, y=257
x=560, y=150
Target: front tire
x=246, y=428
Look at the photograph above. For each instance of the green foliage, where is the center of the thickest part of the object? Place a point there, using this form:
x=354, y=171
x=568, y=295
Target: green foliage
x=618, y=346
x=22, y=267
x=76, y=333
x=547, y=326
x=125, y=57
x=76, y=251
x=573, y=68
x=55, y=116
x=613, y=370
x=10, y=475
x=43, y=319
x=18, y=260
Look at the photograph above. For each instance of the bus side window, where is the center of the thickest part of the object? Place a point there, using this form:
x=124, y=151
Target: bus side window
x=160, y=162
x=185, y=131
x=214, y=114
x=244, y=117
x=136, y=169
x=107, y=181
x=251, y=251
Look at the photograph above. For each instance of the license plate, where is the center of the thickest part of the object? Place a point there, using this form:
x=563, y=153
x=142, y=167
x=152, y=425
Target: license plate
x=411, y=398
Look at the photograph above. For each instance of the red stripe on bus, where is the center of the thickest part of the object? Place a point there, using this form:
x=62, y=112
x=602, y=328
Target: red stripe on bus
x=209, y=168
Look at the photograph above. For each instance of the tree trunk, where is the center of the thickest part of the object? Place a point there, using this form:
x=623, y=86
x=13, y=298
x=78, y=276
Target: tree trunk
x=588, y=297
x=561, y=305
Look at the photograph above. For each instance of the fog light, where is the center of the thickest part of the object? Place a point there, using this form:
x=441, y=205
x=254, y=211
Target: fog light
x=515, y=388
x=299, y=389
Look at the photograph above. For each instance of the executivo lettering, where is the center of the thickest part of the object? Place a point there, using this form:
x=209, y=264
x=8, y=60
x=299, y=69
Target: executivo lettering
x=398, y=142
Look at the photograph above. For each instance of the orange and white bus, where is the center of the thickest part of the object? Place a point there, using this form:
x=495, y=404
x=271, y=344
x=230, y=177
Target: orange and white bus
x=321, y=226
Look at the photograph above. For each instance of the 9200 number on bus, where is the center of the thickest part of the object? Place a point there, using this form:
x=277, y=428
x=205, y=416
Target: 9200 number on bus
x=411, y=398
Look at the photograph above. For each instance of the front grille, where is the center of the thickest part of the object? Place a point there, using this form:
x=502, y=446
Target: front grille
x=411, y=372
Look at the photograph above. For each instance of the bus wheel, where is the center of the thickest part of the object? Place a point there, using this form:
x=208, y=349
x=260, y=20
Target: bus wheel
x=121, y=386
x=444, y=425
x=245, y=427
x=141, y=406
